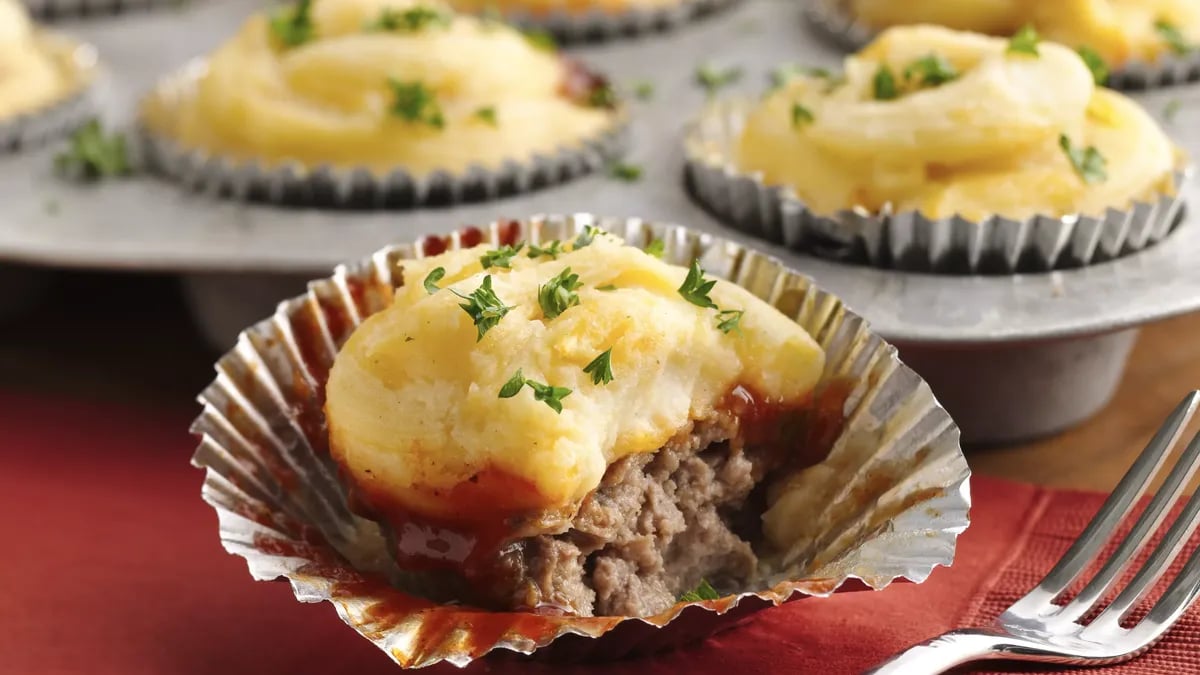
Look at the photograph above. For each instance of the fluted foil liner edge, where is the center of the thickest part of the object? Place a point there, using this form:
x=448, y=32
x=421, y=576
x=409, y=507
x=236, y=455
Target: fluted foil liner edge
x=58, y=119
x=50, y=10
x=888, y=503
x=572, y=27
x=329, y=186
x=909, y=240
x=833, y=19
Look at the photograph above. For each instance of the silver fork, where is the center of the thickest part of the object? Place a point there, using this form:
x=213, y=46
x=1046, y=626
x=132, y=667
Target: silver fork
x=1036, y=629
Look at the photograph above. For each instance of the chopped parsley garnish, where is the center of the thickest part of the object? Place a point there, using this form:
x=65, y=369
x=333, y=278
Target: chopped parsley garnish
x=713, y=80
x=730, y=320
x=551, y=396
x=704, y=591
x=1174, y=38
x=1171, y=109
x=483, y=306
x=625, y=171
x=1095, y=63
x=800, y=116
x=553, y=249
x=695, y=287
x=884, y=84
x=930, y=71
x=589, y=233
x=540, y=39
x=411, y=20
x=1024, y=41
x=435, y=275
x=1088, y=162
x=606, y=288
x=94, y=154
x=558, y=294
x=514, y=385
x=487, y=114
x=601, y=368
x=602, y=96
x=293, y=26
x=500, y=257
x=644, y=90
x=656, y=248
x=414, y=102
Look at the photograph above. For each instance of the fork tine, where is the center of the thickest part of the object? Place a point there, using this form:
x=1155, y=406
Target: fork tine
x=1145, y=527
x=1179, y=595
x=1115, y=508
x=1143, y=582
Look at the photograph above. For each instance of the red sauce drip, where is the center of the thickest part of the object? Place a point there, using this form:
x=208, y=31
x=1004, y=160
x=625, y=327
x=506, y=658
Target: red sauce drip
x=800, y=433
x=509, y=229
x=581, y=85
x=433, y=245
x=470, y=236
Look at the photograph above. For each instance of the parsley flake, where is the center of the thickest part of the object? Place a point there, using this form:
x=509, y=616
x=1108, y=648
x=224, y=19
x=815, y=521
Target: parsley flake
x=558, y=294
x=1088, y=162
x=695, y=287
x=1174, y=38
x=553, y=249
x=644, y=90
x=601, y=368
x=780, y=75
x=932, y=70
x=627, y=172
x=435, y=275
x=500, y=257
x=801, y=116
x=94, y=154
x=1024, y=41
x=540, y=39
x=589, y=233
x=713, y=80
x=487, y=115
x=411, y=20
x=483, y=306
x=606, y=288
x=730, y=320
x=1095, y=63
x=703, y=591
x=602, y=96
x=514, y=385
x=884, y=84
x=656, y=248
x=414, y=102
x=551, y=396
x=293, y=26
x=1171, y=109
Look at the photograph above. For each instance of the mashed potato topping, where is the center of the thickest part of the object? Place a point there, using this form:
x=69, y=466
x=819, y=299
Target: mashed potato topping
x=945, y=122
x=383, y=84
x=33, y=72
x=1118, y=30
x=414, y=399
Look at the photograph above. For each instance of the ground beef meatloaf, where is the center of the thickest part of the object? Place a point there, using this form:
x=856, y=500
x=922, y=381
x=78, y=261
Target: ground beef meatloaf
x=658, y=525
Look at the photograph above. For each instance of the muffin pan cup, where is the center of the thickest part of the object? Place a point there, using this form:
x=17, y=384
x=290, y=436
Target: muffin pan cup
x=597, y=25
x=887, y=503
x=834, y=20
x=293, y=184
x=59, y=118
x=909, y=240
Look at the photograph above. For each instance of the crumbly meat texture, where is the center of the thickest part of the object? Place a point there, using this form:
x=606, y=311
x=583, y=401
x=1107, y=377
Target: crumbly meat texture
x=658, y=524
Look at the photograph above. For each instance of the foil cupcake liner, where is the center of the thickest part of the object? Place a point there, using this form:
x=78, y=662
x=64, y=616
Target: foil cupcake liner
x=294, y=184
x=59, y=118
x=909, y=240
x=598, y=25
x=49, y=10
x=888, y=502
x=834, y=20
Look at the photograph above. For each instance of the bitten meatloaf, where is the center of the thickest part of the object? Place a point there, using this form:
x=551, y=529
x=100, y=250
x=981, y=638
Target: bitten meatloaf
x=572, y=426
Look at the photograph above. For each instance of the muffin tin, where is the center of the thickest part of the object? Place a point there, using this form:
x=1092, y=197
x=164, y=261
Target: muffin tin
x=241, y=259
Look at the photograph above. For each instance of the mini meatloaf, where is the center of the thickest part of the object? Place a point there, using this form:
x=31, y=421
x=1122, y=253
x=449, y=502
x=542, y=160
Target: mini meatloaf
x=573, y=427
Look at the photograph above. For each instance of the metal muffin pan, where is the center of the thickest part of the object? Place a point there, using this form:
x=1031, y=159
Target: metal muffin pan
x=240, y=259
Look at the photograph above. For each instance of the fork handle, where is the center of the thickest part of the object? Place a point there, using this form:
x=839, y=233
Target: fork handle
x=943, y=653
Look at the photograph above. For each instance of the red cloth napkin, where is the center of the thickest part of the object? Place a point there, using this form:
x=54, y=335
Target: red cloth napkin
x=111, y=564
